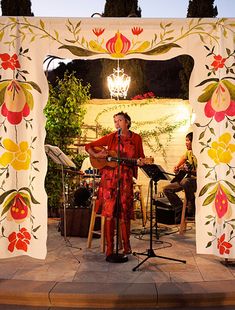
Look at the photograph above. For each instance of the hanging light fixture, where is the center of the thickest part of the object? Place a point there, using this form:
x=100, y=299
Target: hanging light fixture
x=118, y=83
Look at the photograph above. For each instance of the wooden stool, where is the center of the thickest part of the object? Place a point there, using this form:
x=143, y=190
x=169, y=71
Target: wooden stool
x=140, y=200
x=94, y=216
x=184, y=220
x=101, y=232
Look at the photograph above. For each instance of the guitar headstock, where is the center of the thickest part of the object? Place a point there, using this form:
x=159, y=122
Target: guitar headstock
x=148, y=160
x=145, y=161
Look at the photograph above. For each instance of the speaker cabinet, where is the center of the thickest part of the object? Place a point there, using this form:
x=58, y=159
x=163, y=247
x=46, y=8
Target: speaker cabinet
x=166, y=213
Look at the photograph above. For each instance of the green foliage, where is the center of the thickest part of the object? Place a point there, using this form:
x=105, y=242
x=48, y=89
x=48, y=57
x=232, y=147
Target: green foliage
x=53, y=185
x=184, y=75
x=78, y=159
x=202, y=8
x=65, y=113
x=121, y=8
x=16, y=8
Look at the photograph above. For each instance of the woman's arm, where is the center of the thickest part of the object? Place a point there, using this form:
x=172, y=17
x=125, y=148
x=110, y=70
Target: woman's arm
x=101, y=143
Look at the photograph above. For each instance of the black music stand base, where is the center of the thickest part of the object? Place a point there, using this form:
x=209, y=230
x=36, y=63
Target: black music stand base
x=150, y=253
x=155, y=174
x=117, y=258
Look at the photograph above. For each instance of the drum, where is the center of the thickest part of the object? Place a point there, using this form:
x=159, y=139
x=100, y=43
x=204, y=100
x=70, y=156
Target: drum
x=82, y=198
x=91, y=182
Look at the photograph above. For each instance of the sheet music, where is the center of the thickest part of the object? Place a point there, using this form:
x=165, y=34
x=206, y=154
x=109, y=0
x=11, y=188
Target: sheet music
x=155, y=172
x=166, y=174
x=58, y=156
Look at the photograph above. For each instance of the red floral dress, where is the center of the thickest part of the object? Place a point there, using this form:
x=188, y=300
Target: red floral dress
x=130, y=147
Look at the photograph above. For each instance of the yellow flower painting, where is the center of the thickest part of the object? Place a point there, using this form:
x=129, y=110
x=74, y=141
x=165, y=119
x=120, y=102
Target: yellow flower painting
x=16, y=155
x=221, y=150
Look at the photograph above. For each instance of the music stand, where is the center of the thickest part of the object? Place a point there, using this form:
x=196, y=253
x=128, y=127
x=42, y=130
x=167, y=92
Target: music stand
x=60, y=158
x=155, y=173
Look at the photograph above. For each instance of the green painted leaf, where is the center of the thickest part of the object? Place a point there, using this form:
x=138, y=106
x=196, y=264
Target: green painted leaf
x=34, y=85
x=212, y=130
x=141, y=48
x=29, y=98
x=226, y=191
x=231, y=198
x=5, y=194
x=36, y=228
x=161, y=49
x=209, y=199
x=202, y=134
x=7, y=204
x=70, y=41
x=1, y=35
x=56, y=34
x=26, y=199
x=42, y=24
x=208, y=174
x=78, y=51
x=4, y=84
x=214, y=190
x=208, y=244
x=30, y=193
x=207, y=81
x=2, y=95
x=206, y=187
x=208, y=92
x=230, y=185
x=231, y=88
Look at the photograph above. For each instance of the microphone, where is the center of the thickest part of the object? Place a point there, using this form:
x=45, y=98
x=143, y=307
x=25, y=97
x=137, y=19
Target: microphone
x=119, y=131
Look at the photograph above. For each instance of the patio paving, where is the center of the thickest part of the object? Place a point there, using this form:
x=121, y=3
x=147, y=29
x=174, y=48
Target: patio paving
x=74, y=276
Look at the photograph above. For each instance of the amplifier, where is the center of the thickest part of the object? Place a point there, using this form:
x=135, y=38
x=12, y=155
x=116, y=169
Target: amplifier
x=166, y=213
x=78, y=222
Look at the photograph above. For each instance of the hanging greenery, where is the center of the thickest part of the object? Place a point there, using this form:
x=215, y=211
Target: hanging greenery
x=65, y=112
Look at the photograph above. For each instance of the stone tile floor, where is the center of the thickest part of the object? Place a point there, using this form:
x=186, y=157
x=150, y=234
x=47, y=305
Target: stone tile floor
x=76, y=277
x=69, y=260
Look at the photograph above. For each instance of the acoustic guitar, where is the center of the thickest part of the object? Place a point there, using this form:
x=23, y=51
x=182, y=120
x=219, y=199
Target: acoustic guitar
x=111, y=160
x=185, y=171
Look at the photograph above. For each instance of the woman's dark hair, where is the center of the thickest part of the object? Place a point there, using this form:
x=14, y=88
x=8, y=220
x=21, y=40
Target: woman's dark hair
x=190, y=136
x=126, y=116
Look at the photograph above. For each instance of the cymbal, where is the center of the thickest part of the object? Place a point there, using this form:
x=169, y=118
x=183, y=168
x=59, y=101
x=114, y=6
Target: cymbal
x=91, y=176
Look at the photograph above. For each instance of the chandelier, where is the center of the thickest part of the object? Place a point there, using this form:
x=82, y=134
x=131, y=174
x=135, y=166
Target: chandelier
x=118, y=83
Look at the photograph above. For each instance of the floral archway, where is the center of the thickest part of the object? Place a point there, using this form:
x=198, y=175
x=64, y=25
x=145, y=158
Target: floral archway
x=25, y=42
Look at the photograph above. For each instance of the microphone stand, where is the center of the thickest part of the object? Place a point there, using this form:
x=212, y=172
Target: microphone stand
x=117, y=257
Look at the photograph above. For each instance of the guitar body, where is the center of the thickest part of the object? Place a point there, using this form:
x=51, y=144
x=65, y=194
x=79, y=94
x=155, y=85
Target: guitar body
x=112, y=160
x=179, y=176
x=100, y=163
x=182, y=173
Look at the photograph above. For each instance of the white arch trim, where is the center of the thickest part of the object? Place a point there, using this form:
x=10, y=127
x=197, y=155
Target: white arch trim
x=26, y=41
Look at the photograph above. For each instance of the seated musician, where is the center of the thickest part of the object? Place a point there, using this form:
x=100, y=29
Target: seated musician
x=185, y=180
x=130, y=147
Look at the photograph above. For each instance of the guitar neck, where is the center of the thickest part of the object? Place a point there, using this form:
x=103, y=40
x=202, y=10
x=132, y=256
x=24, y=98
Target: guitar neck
x=132, y=161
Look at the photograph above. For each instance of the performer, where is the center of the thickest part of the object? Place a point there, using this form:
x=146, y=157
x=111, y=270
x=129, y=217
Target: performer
x=187, y=165
x=130, y=147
